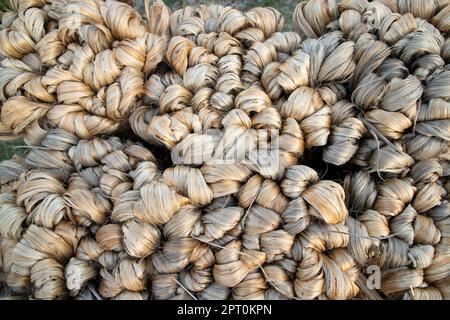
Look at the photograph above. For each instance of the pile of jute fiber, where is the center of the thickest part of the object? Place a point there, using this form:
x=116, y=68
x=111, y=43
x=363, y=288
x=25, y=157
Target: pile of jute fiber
x=210, y=153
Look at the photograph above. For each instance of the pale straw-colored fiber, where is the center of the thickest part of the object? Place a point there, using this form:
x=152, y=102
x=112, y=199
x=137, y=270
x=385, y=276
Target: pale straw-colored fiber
x=211, y=153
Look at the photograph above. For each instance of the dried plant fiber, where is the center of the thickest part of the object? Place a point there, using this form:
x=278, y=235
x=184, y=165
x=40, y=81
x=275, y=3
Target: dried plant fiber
x=210, y=153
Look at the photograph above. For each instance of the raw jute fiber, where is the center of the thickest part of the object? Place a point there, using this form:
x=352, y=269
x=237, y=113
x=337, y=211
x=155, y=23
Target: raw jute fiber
x=210, y=153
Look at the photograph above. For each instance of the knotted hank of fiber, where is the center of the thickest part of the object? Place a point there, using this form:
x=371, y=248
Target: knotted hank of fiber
x=277, y=164
x=95, y=77
x=410, y=238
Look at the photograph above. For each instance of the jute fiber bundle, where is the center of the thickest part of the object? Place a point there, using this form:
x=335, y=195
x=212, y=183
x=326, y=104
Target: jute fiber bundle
x=122, y=182
x=83, y=73
x=402, y=227
x=80, y=202
x=209, y=153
